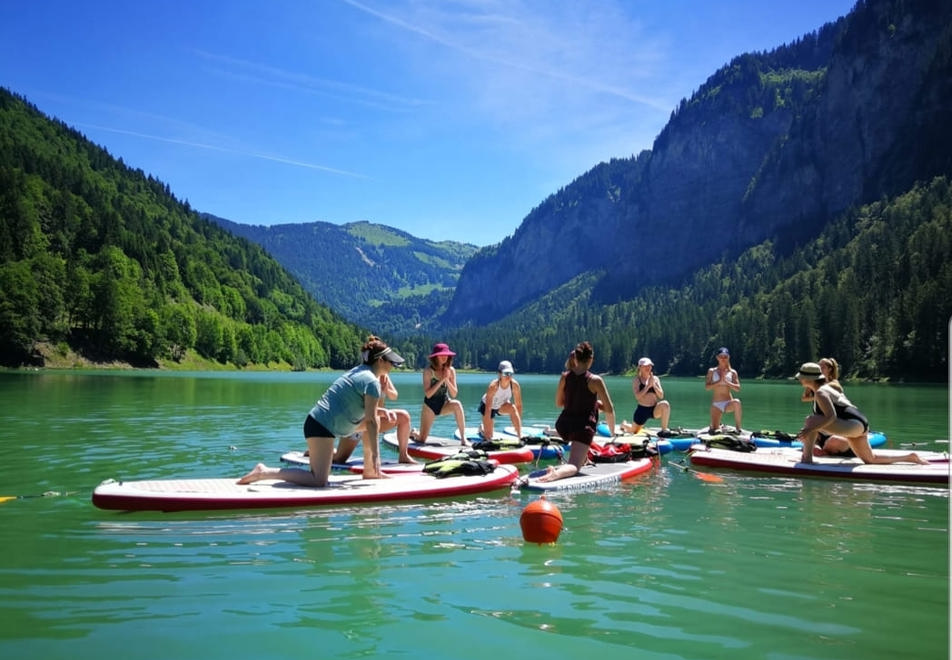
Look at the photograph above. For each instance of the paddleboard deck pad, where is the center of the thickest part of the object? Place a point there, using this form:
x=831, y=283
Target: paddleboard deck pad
x=436, y=447
x=786, y=461
x=222, y=494
x=590, y=477
x=355, y=465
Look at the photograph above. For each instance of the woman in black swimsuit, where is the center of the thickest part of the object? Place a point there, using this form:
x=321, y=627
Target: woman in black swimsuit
x=834, y=414
x=439, y=390
x=580, y=393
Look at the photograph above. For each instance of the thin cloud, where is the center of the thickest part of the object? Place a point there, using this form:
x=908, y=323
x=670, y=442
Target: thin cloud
x=302, y=82
x=518, y=38
x=213, y=147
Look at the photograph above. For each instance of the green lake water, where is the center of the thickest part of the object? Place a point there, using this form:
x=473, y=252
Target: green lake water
x=663, y=567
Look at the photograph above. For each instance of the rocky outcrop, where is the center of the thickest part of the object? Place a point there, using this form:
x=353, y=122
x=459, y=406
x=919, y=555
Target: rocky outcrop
x=772, y=145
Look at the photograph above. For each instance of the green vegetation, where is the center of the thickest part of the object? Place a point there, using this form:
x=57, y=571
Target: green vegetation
x=377, y=234
x=103, y=259
x=375, y=276
x=872, y=290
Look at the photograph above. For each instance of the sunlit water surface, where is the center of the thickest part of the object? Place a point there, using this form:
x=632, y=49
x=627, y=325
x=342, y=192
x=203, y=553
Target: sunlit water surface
x=666, y=566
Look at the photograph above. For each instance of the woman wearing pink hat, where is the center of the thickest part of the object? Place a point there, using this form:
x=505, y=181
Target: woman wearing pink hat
x=439, y=390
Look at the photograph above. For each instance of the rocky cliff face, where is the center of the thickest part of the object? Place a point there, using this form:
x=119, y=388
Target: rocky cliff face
x=773, y=145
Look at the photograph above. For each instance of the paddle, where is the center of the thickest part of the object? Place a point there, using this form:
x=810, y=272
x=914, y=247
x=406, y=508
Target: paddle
x=49, y=493
x=703, y=476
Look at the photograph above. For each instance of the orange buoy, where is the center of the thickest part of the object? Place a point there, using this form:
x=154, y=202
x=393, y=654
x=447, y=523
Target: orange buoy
x=541, y=522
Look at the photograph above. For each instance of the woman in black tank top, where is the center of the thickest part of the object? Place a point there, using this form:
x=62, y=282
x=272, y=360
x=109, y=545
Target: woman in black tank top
x=579, y=394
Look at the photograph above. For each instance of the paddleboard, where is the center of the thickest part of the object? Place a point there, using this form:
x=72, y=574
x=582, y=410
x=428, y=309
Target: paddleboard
x=786, y=461
x=530, y=432
x=355, y=465
x=689, y=437
x=551, y=449
x=436, y=447
x=876, y=439
x=660, y=444
x=590, y=477
x=663, y=445
x=221, y=494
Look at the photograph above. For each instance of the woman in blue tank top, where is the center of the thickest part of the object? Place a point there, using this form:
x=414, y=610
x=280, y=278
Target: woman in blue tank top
x=347, y=406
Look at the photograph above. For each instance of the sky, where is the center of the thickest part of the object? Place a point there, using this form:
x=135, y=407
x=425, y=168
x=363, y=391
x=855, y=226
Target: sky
x=448, y=119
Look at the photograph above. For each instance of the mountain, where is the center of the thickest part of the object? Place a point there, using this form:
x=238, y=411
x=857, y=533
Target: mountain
x=872, y=290
x=773, y=146
x=98, y=258
x=376, y=276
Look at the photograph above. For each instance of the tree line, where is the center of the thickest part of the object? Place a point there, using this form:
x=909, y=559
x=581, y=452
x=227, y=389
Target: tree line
x=97, y=256
x=873, y=290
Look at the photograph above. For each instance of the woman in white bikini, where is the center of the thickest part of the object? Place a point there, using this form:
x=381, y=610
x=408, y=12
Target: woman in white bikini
x=723, y=381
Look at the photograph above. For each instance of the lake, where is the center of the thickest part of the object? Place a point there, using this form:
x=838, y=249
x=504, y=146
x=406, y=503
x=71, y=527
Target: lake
x=663, y=567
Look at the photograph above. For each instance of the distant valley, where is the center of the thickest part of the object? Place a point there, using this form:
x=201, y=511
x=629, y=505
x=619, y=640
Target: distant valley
x=379, y=277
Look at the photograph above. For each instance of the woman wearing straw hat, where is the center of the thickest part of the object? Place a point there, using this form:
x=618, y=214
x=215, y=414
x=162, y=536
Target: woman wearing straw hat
x=834, y=414
x=439, y=392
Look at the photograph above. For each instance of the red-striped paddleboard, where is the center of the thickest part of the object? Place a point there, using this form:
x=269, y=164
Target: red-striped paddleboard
x=219, y=494
x=786, y=461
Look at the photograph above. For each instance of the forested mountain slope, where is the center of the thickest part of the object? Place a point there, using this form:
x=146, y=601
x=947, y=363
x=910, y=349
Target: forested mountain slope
x=874, y=290
x=376, y=276
x=99, y=257
x=774, y=146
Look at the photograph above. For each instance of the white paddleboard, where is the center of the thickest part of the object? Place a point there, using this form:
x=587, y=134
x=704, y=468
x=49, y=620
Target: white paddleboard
x=590, y=477
x=221, y=494
x=786, y=461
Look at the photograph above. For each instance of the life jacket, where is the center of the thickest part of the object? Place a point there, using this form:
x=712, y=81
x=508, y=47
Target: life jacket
x=782, y=436
x=729, y=441
x=544, y=441
x=495, y=444
x=466, y=462
x=621, y=452
x=677, y=433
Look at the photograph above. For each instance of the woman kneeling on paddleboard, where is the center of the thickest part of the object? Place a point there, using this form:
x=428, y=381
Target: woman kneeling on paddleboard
x=348, y=405
x=580, y=394
x=834, y=414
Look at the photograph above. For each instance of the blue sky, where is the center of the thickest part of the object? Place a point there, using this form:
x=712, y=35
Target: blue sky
x=449, y=119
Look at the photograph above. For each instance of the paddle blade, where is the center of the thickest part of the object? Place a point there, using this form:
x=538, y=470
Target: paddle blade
x=7, y=498
x=709, y=478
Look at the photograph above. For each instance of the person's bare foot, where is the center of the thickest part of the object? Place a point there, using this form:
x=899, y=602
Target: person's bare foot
x=549, y=473
x=407, y=459
x=806, y=459
x=257, y=472
x=916, y=459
